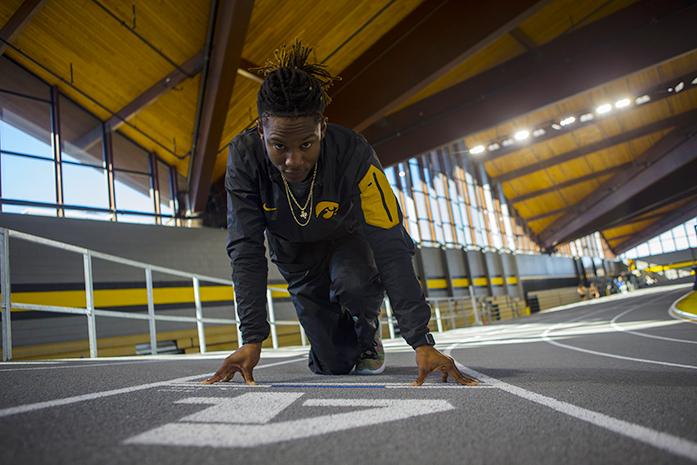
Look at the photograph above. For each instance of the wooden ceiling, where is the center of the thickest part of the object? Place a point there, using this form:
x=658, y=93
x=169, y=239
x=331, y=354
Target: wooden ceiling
x=106, y=54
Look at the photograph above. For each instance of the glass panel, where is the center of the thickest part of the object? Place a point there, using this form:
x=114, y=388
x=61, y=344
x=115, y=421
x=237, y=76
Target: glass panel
x=133, y=192
x=81, y=134
x=125, y=218
x=28, y=179
x=25, y=126
x=85, y=186
x=70, y=213
x=667, y=242
x=691, y=232
x=163, y=179
x=14, y=78
x=27, y=210
x=128, y=155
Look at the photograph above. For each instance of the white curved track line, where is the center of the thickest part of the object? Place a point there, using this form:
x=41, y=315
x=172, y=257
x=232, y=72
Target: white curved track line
x=664, y=441
x=546, y=338
x=614, y=324
x=674, y=312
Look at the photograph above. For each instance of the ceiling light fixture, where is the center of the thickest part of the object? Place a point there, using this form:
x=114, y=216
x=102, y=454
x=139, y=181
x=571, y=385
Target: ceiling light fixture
x=539, y=132
x=521, y=135
x=604, y=108
x=507, y=142
x=694, y=81
x=587, y=117
x=623, y=103
x=402, y=174
x=556, y=126
x=568, y=121
x=477, y=149
x=680, y=86
x=642, y=99
x=493, y=147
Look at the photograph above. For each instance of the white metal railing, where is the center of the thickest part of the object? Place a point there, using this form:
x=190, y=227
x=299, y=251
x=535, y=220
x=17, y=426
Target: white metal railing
x=91, y=312
x=444, y=308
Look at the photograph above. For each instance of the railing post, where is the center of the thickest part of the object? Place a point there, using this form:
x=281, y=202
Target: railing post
x=237, y=318
x=5, y=288
x=89, y=300
x=199, y=316
x=475, y=310
x=303, y=336
x=151, y=312
x=439, y=321
x=390, y=318
x=272, y=319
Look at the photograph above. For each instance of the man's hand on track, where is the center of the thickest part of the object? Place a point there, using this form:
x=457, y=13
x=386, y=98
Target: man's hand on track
x=243, y=360
x=428, y=359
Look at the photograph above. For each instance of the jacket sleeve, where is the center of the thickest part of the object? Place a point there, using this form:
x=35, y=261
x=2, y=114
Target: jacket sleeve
x=245, y=244
x=391, y=244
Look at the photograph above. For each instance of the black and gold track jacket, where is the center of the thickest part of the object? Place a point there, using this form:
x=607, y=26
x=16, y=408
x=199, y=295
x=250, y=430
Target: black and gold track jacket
x=350, y=191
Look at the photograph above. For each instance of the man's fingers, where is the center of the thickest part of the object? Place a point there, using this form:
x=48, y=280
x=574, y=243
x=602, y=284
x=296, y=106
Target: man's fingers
x=462, y=379
x=213, y=379
x=421, y=378
x=248, y=377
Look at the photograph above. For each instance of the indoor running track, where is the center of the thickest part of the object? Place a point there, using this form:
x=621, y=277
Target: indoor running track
x=612, y=382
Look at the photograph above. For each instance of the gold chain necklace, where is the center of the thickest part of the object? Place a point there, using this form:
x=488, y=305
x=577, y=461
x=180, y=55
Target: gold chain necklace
x=303, y=208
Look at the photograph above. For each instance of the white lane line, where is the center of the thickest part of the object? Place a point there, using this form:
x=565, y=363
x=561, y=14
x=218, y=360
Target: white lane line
x=327, y=385
x=28, y=363
x=78, y=366
x=549, y=340
x=98, y=395
x=614, y=324
x=664, y=441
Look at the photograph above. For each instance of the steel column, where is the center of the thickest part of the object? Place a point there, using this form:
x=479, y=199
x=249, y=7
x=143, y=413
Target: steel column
x=89, y=300
x=6, y=289
x=199, y=315
x=151, y=312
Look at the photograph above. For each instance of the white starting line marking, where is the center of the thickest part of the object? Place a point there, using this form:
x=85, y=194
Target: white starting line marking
x=243, y=421
x=98, y=395
x=290, y=385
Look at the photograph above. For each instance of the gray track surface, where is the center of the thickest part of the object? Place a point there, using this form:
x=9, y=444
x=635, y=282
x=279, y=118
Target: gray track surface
x=534, y=408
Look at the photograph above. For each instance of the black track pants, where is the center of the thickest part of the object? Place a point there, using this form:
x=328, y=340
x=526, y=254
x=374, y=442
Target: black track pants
x=337, y=293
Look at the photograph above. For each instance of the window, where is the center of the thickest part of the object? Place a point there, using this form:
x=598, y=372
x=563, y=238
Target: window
x=28, y=179
x=25, y=126
x=165, y=188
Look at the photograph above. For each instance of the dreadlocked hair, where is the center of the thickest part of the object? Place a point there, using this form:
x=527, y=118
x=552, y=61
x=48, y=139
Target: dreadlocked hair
x=292, y=86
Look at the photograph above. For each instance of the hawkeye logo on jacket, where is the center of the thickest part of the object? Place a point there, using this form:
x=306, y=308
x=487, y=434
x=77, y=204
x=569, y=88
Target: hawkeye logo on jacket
x=326, y=210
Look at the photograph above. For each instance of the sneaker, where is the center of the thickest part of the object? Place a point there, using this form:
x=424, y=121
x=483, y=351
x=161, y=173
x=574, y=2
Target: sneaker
x=372, y=361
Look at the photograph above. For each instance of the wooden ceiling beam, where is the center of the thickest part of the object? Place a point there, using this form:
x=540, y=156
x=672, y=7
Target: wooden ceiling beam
x=667, y=156
x=191, y=67
x=425, y=45
x=621, y=138
x=16, y=23
x=227, y=40
x=643, y=34
x=671, y=220
x=570, y=182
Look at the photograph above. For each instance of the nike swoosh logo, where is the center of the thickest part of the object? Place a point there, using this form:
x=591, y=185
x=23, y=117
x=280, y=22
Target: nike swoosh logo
x=268, y=209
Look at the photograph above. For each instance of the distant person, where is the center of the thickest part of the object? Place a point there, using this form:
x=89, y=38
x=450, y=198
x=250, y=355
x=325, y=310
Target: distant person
x=593, y=291
x=318, y=194
x=581, y=291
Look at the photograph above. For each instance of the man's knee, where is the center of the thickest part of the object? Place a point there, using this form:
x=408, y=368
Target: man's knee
x=352, y=289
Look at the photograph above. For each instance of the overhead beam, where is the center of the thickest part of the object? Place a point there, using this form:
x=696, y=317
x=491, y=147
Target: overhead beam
x=190, y=68
x=667, y=156
x=671, y=220
x=226, y=43
x=569, y=183
x=16, y=23
x=434, y=38
x=621, y=138
x=642, y=34
x=547, y=214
